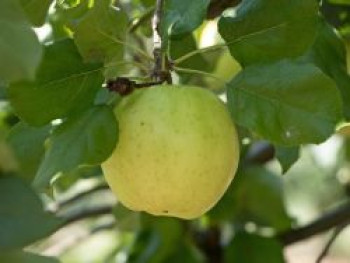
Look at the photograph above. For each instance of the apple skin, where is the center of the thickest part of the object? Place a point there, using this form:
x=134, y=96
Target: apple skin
x=178, y=151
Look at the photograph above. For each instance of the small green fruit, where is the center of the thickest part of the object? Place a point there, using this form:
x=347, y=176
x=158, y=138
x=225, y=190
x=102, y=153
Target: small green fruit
x=177, y=153
x=226, y=69
x=344, y=130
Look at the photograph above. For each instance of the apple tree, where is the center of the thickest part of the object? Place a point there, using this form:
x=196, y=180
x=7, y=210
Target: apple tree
x=196, y=110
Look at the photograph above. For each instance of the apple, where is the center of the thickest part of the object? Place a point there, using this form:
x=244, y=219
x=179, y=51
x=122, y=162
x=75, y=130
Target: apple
x=177, y=153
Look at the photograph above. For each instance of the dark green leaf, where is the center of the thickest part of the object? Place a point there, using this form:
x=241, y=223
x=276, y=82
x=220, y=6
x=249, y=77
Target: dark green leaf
x=28, y=146
x=265, y=31
x=255, y=195
x=186, y=252
x=329, y=53
x=87, y=139
x=287, y=156
x=155, y=243
x=101, y=33
x=20, y=50
x=183, y=16
x=36, y=10
x=64, y=85
x=250, y=248
x=25, y=257
x=22, y=218
x=286, y=103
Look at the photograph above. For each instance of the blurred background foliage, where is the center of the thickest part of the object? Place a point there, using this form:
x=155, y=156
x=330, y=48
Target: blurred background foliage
x=260, y=203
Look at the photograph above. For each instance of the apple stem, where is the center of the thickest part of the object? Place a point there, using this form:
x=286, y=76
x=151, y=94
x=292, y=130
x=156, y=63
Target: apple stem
x=199, y=72
x=200, y=51
x=125, y=86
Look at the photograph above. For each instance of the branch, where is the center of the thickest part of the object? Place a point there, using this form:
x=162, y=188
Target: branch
x=81, y=195
x=103, y=227
x=162, y=65
x=58, y=248
x=86, y=213
x=157, y=41
x=326, y=249
x=125, y=86
x=216, y=7
x=337, y=217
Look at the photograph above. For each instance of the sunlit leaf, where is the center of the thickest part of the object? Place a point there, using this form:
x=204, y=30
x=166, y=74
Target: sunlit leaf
x=100, y=34
x=64, y=85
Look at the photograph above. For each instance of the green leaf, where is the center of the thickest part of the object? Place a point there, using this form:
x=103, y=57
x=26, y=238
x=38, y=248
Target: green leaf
x=127, y=220
x=184, y=45
x=87, y=139
x=181, y=46
x=266, y=31
x=329, y=54
x=25, y=257
x=254, y=249
x=286, y=103
x=36, y=10
x=20, y=50
x=186, y=252
x=64, y=85
x=155, y=243
x=347, y=149
x=339, y=2
x=183, y=16
x=101, y=33
x=65, y=18
x=148, y=3
x=22, y=218
x=256, y=195
x=28, y=146
x=287, y=156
